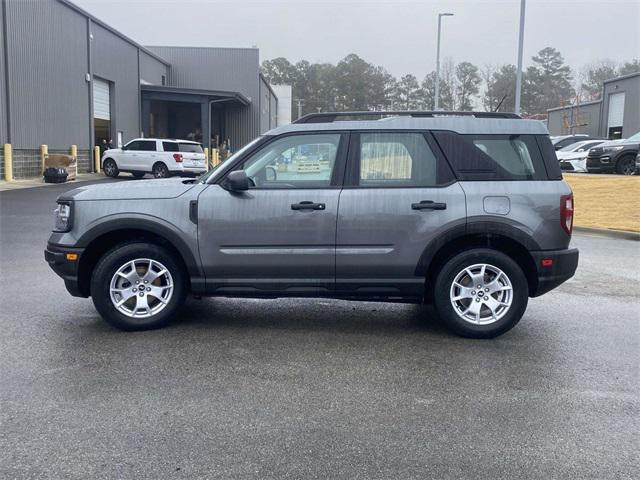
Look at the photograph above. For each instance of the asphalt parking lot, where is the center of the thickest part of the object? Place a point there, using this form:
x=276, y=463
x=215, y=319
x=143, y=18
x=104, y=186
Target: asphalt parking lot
x=314, y=388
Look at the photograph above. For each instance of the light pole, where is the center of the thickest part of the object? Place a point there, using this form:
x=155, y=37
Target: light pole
x=437, y=93
x=520, y=44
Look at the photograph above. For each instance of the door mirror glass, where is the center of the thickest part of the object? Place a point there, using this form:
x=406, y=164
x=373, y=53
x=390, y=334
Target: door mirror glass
x=237, y=181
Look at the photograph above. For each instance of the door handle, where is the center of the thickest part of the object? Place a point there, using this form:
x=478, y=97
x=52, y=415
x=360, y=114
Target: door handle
x=428, y=205
x=306, y=205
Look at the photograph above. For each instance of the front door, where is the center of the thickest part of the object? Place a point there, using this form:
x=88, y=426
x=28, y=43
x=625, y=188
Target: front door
x=278, y=236
x=398, y=197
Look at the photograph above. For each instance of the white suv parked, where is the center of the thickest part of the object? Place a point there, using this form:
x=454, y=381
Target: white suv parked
x=161, y=157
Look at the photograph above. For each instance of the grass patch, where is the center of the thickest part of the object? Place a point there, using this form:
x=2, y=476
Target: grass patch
x=606, y=201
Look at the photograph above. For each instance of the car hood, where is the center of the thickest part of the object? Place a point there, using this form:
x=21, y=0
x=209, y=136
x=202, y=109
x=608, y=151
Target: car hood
x=131, y=190
x=612, y=143
x=571, y=155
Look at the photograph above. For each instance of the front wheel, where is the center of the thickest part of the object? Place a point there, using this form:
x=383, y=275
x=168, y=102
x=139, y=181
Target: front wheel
x=110, y=168
x=138, y=286
x=626, y=165
x=481, y=293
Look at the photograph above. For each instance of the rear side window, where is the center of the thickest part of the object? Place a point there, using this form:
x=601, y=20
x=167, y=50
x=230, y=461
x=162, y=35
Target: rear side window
x=170, y=147
x=402, y=159
x=493, y=157
x=190, y=147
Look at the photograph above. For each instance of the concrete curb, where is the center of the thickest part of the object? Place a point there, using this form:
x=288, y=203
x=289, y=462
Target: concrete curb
x=605, y=232
x=39, y=182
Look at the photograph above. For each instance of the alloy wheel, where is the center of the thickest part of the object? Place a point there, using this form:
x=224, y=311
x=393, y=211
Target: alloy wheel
x=481, y=294
x=141, y=288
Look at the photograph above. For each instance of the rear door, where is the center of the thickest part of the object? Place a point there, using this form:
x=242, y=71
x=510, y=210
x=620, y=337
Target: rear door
x=279, y=236
x=401, y=195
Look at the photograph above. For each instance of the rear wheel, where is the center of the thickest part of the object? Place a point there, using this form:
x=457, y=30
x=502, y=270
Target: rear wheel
x=160, y=170
x=138, y=286
x=110, y=168
x=481, y=293
x=626, y=165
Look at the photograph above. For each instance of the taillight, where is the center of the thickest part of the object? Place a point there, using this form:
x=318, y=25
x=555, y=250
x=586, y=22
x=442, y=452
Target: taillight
x=177, y=157
x=566, y=213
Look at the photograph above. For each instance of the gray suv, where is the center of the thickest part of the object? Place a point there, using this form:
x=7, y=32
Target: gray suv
x=464, y=211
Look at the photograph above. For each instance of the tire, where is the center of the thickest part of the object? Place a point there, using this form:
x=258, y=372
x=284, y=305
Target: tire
x=109, y=287
x=137, y=175
x=110, y=168
x=626, y=165
x=160, y=170
x=493, y=318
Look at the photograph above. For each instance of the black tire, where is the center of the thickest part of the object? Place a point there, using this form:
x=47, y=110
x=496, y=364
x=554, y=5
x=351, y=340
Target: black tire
x=626, y=165
x=112, y=261
x=455, y=265
x=137, y=175
x=110, y=168
x=160, y=170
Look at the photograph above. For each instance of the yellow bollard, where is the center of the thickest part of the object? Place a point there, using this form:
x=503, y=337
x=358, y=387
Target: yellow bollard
x=8, y=162
x=215, y=157
x=206, y=157
x=96, y=158
x=44, y=151
x=74, y=151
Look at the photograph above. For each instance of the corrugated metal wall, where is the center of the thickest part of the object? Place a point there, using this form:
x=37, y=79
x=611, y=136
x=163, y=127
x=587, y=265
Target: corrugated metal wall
x=47, y=52
x=152, y=70
x=273, y=111
x=3, y=92
x=265, y=104
x=588, y=114
x=116, y=60
x=230, y=69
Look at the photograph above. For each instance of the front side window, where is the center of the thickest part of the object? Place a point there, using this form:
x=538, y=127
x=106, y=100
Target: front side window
x=296, y=161
x=133, y=146
x=396, y=159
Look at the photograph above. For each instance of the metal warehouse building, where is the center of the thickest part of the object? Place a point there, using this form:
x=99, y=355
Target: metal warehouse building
x=67, y=78
x=616, y=115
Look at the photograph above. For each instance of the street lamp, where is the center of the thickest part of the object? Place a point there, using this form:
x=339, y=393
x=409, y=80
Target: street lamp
x=437, y=93
x=520, y=44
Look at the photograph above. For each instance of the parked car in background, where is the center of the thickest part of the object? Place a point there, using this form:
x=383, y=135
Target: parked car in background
x=573, y=158
x=616, y=156
x=161, y=157
x=562, y=141
x=464, y=211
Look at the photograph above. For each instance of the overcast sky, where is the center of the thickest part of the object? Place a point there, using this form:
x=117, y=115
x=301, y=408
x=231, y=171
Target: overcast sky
x=399, y=35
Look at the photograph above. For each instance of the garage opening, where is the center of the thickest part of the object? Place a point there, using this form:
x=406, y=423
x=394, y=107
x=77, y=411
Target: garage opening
x=615, y=119
x=102, y=112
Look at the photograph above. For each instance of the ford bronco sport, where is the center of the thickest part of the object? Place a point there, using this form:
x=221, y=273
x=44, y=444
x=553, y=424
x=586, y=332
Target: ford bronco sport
x=465, y=211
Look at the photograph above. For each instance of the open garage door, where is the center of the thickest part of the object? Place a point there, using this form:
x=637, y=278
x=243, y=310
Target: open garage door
x=102, y=111
x=615, y=118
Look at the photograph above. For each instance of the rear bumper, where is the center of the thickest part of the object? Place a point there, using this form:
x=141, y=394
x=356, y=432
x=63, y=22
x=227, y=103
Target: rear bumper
x=563, y=266
x=56, y=257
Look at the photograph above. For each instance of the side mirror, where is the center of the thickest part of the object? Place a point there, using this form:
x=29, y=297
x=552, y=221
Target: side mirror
x=237, y=181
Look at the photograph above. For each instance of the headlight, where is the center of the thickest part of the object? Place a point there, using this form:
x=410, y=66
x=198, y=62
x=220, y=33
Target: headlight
x=612, y=149
x=63, y=217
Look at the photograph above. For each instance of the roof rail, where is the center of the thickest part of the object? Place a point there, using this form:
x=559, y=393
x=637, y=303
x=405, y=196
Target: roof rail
x=330, y=117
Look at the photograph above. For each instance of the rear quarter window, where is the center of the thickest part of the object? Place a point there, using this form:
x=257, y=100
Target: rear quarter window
x=170, y=147
x=493, y=157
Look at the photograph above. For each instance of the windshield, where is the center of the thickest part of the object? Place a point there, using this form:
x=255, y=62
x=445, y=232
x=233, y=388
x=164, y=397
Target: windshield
x=572, y=147
x=634, y=138
x=205, y=176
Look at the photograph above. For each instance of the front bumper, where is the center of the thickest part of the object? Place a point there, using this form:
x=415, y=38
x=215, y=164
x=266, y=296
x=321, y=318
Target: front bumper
x=68, y=270
x=554, y=267
x=603, y=163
